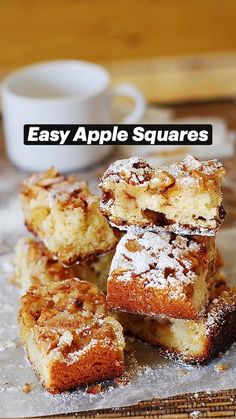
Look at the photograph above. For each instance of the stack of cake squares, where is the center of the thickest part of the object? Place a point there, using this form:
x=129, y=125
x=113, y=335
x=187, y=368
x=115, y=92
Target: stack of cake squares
x=70, y=337
x=164, y=277
x=161, y=272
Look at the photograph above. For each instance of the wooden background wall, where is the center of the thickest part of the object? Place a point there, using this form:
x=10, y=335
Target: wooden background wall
x=104, y=30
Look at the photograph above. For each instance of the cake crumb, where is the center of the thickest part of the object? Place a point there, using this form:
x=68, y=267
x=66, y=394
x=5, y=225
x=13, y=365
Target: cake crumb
x=122, y=381
x=221, y=367
x=27, y=388
x=181, y=372
x=94, y=389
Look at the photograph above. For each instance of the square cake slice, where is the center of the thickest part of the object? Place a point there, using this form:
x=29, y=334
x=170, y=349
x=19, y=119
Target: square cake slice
x=69, y=337
x=187, y=340
x=65, y=216
x=34, y=266
x=184, y=198
x=162, y=273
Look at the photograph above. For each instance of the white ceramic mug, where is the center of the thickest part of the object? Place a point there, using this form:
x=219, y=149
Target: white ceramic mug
x=60, y=92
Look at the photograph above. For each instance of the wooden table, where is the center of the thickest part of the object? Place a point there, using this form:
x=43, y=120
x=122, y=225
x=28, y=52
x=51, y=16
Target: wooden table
x=215, y=405
x=201, y=77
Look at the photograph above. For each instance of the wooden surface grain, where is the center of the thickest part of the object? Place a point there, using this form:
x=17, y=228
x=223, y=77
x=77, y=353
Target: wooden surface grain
x=166, y=80
x=101, y=30
x=178, y=79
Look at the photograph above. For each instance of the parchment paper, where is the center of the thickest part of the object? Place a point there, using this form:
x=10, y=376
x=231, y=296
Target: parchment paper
x=149, y=375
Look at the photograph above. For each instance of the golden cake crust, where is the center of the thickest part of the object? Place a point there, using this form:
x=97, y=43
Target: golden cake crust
x=159, y=273
x=70, y=337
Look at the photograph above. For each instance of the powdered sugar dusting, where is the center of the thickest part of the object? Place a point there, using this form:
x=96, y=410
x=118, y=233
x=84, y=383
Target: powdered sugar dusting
x=189, y=164
x=158, y=260
x=66, y=339
x=63, y=192
x=176, y=227
x=56, y=186
x=224, y=304
x=133, y=170
x=74, y=356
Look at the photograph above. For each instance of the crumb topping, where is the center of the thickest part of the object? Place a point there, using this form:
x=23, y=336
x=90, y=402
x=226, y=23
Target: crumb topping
x=69, y=318
x=71, y=195
x=133, y=171
x=189, y=166
x=27, y=388
x=136, y=171
x=65, y=190
x=221, y=367
x=46, y=179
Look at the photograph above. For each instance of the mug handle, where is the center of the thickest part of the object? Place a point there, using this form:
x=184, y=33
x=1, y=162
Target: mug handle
x=129, y=90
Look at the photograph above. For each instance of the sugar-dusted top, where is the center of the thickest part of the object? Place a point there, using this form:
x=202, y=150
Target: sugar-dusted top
x=70, y=194
x=46, y=179
x=189, y=164
x=137, y=171
x=157, y=259
x=66, y=190
x=53, y=180
x=133, y=170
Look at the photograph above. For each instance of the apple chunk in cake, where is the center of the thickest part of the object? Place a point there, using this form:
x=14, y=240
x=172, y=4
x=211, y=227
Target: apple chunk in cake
x=34, y=266
x=161, y=273
x=184, y=198
x=190, y=341
x=63, y=213
x=70, y=338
